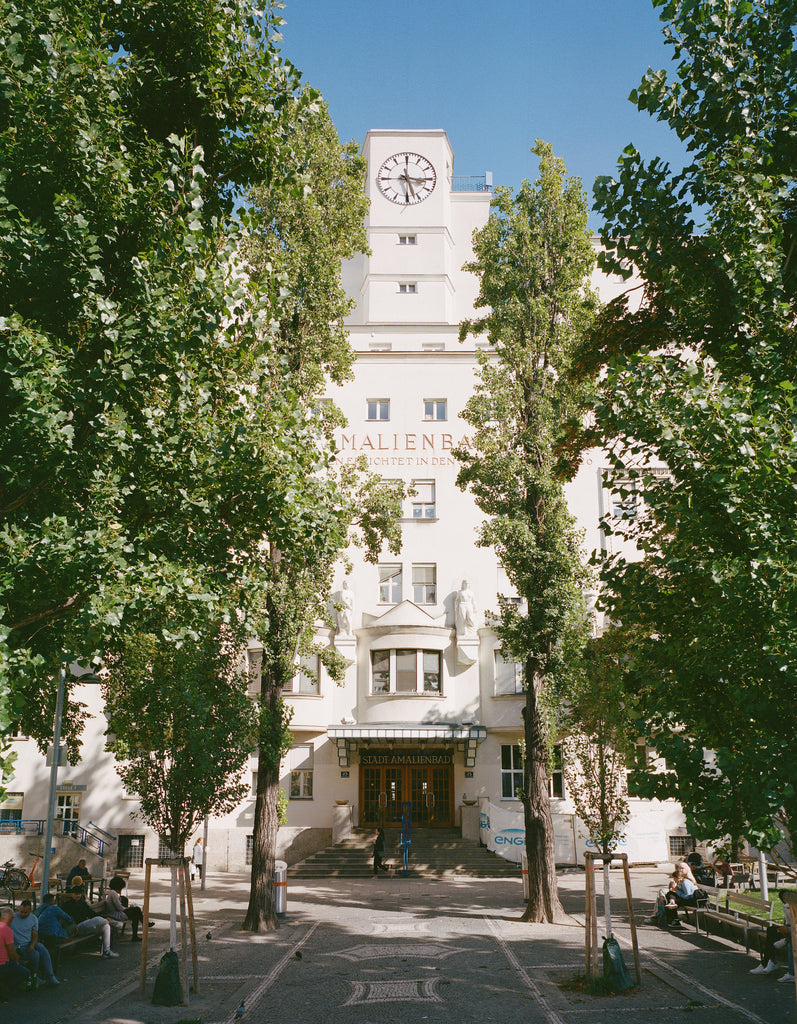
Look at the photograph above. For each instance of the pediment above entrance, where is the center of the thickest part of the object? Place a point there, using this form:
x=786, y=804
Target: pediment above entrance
x=406, y=615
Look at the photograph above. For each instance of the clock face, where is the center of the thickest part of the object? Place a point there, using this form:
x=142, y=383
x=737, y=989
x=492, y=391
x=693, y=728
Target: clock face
x=406, y=178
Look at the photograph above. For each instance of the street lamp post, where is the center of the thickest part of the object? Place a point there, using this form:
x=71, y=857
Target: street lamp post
x=86, y=677
x=48, y=834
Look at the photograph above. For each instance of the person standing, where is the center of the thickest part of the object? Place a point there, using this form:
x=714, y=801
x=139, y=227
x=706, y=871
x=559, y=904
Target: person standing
x=379, y=851
x=198, y=857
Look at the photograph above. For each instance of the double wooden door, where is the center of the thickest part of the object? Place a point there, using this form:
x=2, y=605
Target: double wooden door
x=428, y=789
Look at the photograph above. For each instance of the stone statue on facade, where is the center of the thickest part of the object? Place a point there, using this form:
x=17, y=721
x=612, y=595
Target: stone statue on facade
x=465, y=610
x=345, y=610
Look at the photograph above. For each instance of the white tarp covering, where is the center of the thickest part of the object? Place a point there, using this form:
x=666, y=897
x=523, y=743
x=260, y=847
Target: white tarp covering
x=503, y=832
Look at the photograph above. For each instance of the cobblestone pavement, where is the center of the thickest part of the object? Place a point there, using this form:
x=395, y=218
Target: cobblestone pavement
x=413, y=950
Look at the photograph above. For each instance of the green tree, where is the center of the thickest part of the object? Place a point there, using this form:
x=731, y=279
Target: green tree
x=598, y=746
x=180, y=721
x=533, y=258
x=700, y=380
x=304, y=238
x=147, y=435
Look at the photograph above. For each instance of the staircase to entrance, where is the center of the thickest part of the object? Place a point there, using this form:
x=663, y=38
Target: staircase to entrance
x=434, y=853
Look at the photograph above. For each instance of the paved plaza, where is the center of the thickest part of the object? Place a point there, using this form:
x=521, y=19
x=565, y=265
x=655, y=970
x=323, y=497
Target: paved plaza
x=411, y=950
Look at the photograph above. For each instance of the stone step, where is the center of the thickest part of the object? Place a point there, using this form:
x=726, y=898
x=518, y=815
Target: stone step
x=434, y=853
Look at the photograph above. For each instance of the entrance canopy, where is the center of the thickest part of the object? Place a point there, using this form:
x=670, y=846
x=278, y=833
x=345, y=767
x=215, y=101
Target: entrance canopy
x=349, y=738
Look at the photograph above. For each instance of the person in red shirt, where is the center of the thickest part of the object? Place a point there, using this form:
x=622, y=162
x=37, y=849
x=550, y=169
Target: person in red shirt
x=12, y=973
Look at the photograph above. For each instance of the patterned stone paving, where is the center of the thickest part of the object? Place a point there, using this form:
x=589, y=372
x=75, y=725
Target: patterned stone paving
x=428, y=950
x=405, y=991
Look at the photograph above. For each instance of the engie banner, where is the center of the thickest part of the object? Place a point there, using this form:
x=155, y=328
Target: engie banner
x=503, y=832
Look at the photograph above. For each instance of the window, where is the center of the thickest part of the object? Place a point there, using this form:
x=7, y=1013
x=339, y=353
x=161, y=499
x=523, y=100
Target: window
x=130, y=852
x=424, y=584
x=254, y=664
x=680, y=846
x=511, y=771
x=378, y=409
x=408, y=289
x=301, y=761
x=253, y=793
x=556, y=783
x=11, y=807
x=389, y=584
x=406, y=671
x=433, y=346
x=250, y=845
x=408, y=239
x=165, y=852
x=380, y=346
x=508, y=676
x=307, y=678
x=423, y=504
x=67, y=807
x=435, y=409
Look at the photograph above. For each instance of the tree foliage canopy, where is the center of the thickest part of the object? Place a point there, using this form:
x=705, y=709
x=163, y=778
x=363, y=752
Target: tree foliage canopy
x=533, y=259
x=701, y=380
x=150, y=433
x=181, y=723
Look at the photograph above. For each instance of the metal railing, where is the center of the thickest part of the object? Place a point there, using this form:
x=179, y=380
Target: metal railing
x=86, y=837
x=471, y=183
x=23, y=826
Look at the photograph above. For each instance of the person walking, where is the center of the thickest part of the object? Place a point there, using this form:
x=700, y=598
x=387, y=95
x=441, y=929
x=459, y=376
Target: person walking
x=379, y=851
x=198, y=857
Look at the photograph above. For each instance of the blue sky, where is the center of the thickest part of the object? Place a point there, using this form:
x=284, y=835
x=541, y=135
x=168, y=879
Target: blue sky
x=495, y=75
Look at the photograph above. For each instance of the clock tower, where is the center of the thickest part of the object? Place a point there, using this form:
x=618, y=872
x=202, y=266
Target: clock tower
x=419, y=230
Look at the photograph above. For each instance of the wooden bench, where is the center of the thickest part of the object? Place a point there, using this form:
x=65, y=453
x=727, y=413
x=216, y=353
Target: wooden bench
x=749, y=914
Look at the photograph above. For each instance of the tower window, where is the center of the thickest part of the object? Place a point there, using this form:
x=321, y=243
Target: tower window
x=407, y=288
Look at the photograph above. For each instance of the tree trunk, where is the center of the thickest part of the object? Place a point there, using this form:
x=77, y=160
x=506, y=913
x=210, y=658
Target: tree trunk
x=543, y=903
x=261, y=915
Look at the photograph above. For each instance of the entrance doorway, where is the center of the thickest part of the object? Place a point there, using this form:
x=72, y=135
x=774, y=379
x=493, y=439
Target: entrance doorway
x=425, y=780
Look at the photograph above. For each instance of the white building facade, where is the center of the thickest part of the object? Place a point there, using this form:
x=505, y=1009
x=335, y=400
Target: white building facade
x=428, y=719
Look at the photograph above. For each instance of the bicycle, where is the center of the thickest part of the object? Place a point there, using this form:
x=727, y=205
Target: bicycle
x=14, y=878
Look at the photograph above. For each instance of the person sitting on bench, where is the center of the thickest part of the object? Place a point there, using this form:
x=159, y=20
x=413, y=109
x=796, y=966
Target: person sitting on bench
x=55, y=925
x=87, y=920
x=121, y=909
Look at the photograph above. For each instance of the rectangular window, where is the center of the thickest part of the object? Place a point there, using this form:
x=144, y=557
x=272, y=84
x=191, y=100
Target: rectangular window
x=165, y=852
x=408, y=288
x=406, y=671
x=435, y=409
x=380, y=671
x=11, y=807
x=680, y=846
x=308, y=675
x=389, y=584
x=407, y=240
x=511, y=771
x=67, y=807
x=250, y=845
x=378, y=409
x=556, y=783
x=433, y=346
x=380, y=346
x=254, y=666
x=424, y=584
x=423, y=504
x=254, y=785
x=301, y=761
x=130, y=852
x=508, y=676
